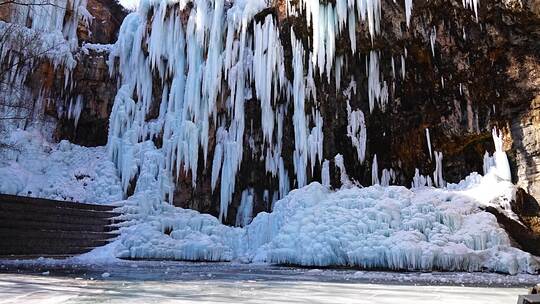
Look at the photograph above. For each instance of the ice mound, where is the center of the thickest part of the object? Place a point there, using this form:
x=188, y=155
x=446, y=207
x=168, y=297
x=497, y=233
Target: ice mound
x=377, y=227
x=388, y=228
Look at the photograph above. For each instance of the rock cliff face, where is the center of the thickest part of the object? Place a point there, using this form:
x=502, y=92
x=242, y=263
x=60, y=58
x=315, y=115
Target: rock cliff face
x=92, y=81
x=475, y=75
x=59, y=85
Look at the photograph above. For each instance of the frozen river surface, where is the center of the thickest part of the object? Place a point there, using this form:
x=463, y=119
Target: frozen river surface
x=169, y=282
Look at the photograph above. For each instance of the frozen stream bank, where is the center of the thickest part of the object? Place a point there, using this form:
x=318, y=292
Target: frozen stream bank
x=170, y=282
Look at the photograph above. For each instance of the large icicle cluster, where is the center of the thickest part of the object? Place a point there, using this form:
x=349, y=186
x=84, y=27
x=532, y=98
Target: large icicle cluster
x=51, y=16
x=210, y=63
x=204, y=65
x=188, y=67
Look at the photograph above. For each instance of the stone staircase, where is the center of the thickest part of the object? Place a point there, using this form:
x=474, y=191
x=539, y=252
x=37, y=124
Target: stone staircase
x=32, y=227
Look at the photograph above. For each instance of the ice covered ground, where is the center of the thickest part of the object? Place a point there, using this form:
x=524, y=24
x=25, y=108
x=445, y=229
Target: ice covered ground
x=32, y=166
x=172, y=282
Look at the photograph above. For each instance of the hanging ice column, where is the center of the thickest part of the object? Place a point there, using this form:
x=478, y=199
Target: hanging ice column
x=331, y=19
x=438, y=173
x=308, y=144
x=268, y=72
x=214, y=53
x=428, y=138
x=502, y=168
x=377, y=91
x=375, y=171
x=356, y=131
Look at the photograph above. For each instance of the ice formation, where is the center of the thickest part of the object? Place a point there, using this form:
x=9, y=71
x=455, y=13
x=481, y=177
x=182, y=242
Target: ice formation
x=325, y=173
x=74, y=110
x=388, y=177
x=433, y=39
x=421, y=180
x=428, y=138
x=245, y=212
x=356, y=131
x=374, y=171
x=438, y=180
x=377, y=91
x=211, y=57
x=488, y=162
x=223, y=49
x=61, y=171
x=52, y=16
x=375, y=227
x=209, y=66
x=502, y=167
x=37, y=32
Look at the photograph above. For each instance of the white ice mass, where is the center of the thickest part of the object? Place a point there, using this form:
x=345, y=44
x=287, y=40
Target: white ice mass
x=375, y=227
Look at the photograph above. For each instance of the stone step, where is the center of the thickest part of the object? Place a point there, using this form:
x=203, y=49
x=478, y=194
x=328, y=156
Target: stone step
x=23, y=234
x=40, y=225
x=53, y=203
x=41, y=209
x=37, y=243
x=48, y=247
x=53, y=217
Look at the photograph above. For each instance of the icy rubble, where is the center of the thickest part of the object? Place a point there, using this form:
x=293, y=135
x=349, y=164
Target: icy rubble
x=34, y=167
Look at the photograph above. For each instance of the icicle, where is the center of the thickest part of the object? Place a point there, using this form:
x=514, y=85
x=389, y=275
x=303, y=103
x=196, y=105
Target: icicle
x=74, y=110
x=420, y=180
x=307, y=143
x=374, y=81
x=432, y=39
x=344, y=178
x=428, y=142
x=386, y=177
x=375, y=171
x=438, y=174
x=488, y=163
x=299, y=116
x=268, y=71
x=500, y=158
x=393, y=68
x=325, y=173
x=402, y=67
x=472, y=4
x=328, y=20
x=356, y=131
x=408, y=9
x=245, y=211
